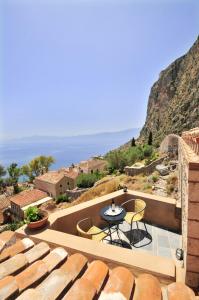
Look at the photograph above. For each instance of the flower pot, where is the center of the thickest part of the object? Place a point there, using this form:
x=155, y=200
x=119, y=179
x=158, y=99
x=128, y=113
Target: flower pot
x=41, y=223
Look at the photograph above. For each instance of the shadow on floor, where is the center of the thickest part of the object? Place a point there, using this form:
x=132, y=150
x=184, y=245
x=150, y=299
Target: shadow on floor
x=139, y=236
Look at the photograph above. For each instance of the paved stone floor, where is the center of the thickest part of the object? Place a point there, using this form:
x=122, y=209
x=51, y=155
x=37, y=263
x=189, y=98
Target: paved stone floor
x=157, y=241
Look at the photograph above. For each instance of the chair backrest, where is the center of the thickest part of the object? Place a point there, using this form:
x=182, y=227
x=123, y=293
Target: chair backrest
x=140, y=206
x=83, y=226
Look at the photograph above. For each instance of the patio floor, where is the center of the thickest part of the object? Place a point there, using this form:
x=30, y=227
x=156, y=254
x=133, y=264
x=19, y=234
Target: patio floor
x=158, y=241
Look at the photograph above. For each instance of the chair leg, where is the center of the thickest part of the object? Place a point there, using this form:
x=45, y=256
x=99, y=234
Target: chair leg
x=138, y=232
x=145, y=227
x=131, y=234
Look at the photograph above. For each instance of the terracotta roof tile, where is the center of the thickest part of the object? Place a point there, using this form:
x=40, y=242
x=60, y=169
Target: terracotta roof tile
x=51, y=177
x=96, y=273
x=8, y=288
x=71, y=174
x=31, y=294
x=28, y=197
x=4, y=203
x=119, y=285
x=83, y=289
x=179, y=291
x=13, y=265
x=53, y=285
x=37, y=252
x=74, y=265
x=31, y=275
x=147, y=288
x=20, y=247
x=7, y=238
x=55, y=258
x=54, y=278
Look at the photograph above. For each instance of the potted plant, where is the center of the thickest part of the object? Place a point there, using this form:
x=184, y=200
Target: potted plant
x=35, y=218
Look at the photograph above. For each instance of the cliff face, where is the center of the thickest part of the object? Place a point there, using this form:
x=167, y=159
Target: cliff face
x=173, y=104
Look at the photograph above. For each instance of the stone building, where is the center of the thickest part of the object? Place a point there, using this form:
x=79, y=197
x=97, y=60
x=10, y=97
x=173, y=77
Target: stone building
x=56, y=183
x=92, y=165
x=20, y=202
x=169, y=146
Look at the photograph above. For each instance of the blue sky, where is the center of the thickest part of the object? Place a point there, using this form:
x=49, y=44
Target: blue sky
x=76, y=67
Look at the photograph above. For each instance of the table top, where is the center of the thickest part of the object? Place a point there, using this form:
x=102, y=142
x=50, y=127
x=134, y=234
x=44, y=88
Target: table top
x=112, y=219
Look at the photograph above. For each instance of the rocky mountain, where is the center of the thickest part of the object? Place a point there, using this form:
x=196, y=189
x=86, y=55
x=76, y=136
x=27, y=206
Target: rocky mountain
x=173, y=104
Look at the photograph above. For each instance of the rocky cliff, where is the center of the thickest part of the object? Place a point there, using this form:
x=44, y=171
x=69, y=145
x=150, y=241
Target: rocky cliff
x=173, y=104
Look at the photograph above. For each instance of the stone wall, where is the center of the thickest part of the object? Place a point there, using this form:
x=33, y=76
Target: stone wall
x=74, y=194
x=146, y=170
x=189, y=196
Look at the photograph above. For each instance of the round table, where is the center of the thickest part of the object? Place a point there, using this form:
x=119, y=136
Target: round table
x=113, y=220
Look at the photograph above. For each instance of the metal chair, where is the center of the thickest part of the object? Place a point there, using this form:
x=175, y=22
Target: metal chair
x=137, y=214
x=87, y=230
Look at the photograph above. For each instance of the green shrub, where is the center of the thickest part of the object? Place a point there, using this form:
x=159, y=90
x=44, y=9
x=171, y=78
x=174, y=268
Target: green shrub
x=62, y=198
x=170, y=188
x=14, y=226
x=147, y=150
x=118, y=159
x=154, y=178
x=32, y=214
x=88, y=180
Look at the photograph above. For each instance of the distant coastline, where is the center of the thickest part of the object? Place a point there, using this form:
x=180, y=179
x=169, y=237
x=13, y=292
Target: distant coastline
x=65, y=150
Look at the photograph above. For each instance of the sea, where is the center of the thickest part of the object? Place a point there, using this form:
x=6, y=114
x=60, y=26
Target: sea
x=65, y=150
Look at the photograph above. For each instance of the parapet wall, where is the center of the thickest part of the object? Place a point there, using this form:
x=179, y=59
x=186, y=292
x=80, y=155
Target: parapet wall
x=189, y=196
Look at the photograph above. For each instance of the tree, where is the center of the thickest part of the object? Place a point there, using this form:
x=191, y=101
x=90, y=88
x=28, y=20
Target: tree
x=14, y=173
x=2, y=180
x=133, y=142
x=150, y=139
x=2, y=171
x=37, y=166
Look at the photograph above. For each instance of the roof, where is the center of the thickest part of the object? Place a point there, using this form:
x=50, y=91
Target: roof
x=51, y=177
x=91, y=163
x=71, y=174
x=35, y=271
x=4, y=202
x=27, y=197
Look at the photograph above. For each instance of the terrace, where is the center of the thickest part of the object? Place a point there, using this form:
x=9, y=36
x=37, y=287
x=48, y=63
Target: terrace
x=153, y=255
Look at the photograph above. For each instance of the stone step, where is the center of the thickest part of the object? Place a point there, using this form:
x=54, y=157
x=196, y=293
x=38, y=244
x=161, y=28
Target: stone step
x=147, y=288
x=119, y=286
x=8, y=288
x=13, y=265
x=96, y=273
x=179, y=290
x=7, y=238
x=55, y=258
x=37, y=252
x=19, y=247
x=31, y=275
x=83, y=289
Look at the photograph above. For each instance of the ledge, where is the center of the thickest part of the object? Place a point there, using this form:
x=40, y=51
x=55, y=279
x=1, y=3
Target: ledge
x=138, y=262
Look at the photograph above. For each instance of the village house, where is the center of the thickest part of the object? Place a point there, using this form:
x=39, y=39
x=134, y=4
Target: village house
x=56, y=183
x=20, y=202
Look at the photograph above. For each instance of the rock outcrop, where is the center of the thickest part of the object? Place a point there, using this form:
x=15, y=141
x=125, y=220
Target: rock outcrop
x=173, y=104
